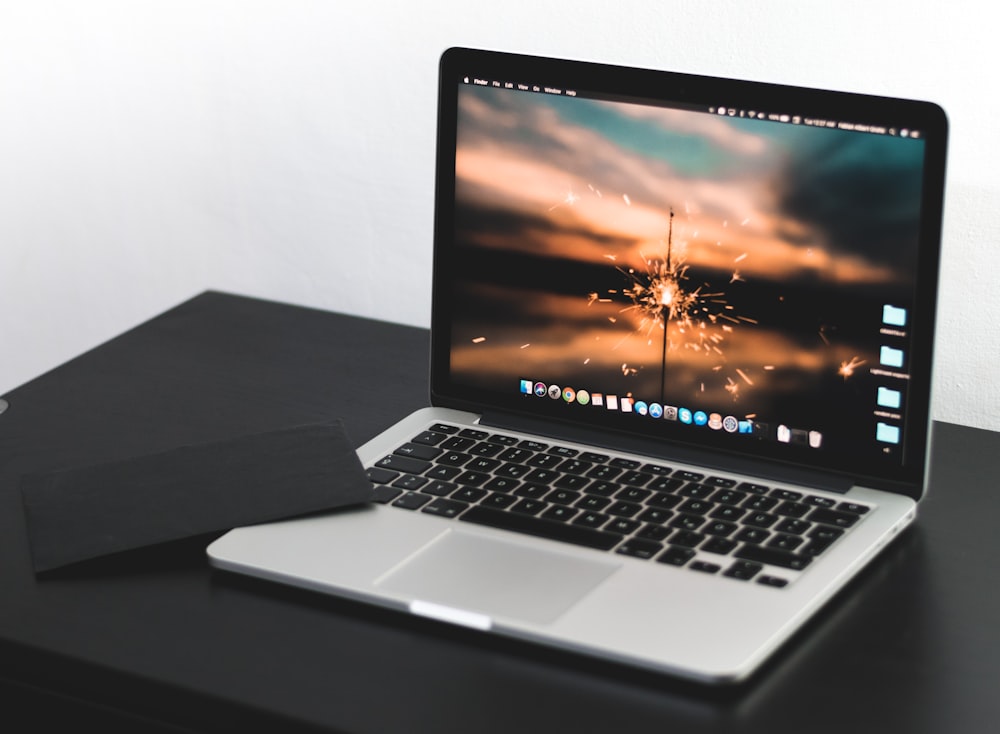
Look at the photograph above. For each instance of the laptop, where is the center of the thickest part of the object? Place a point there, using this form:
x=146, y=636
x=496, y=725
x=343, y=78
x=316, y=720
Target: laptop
x=680, y=372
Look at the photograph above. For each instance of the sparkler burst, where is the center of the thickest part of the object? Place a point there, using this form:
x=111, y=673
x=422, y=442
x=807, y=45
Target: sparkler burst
x=685, y=316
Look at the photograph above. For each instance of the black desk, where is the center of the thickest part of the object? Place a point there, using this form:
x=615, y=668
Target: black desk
x=156, y=641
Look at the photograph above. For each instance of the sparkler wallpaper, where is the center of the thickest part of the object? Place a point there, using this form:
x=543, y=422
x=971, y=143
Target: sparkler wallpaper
x=720, y=263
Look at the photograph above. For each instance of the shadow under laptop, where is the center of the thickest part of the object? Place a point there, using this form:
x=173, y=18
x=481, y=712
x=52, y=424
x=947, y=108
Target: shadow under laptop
x=499, y=684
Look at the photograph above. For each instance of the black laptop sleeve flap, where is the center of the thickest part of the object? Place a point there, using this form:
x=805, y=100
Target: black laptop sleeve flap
x=84, y=513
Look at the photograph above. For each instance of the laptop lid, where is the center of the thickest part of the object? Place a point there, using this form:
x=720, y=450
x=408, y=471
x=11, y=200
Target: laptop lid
x=740, y=270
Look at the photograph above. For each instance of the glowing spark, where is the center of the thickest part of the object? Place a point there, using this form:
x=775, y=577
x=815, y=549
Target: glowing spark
x=525, y=346
x=628, y=201
x=742, y=374
x=740, y=258
x=479, y=340
x=847, y=368
x=745, y=222
x=570, y=199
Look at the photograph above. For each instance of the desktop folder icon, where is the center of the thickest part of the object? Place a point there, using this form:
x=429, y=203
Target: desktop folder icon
x=886, y=433
x=891, y=357
x=893, y=315
x=888, y=398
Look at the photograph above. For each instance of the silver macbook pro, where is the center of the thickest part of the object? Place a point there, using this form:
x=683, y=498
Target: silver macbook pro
x=681, y=347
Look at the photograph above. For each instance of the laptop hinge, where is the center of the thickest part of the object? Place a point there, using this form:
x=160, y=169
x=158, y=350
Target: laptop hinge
x=661, y=449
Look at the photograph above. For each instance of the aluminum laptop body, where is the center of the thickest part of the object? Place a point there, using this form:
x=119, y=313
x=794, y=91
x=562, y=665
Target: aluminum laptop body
x=696, y=304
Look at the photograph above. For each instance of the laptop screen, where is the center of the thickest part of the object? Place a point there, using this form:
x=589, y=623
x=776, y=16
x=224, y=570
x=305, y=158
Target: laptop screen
x=734, y=266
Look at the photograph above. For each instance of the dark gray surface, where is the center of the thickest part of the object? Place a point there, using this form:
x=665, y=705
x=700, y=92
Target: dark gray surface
x=155, y=640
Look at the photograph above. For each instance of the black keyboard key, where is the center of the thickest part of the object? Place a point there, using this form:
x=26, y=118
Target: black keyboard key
x=469, y=494
x=458, y=443
x=385, y=494
x=687, y=522
x=593, y=503
x=760, y=520
x=639, y=548
x=753, y=488
x=482, y=463
x=696, y=507
x=439, y=489
x=418, y=451
x=657, y=470
x=773, y=581
x=486, y=449
x=502, y=440
x=622, y=508
x=602, y=488
x=817, y=501
x=499, y=501
x=705, y=567
x=564, y=451
x=575, y=466
x=572, y=481
x=792, y=509
x=655, y=515
x=443, y=428
x=541, y=476
x=604, y=472
x=786, y=494
x=403, y=464
x=381, y=476
x=687, y=538
x=512, y=471
x=528, y=506
x=622, y=525
x=853, y=507
x=665, y=484
x=443, y=473
x=793, y=527
x=664, y=501
x=563, y=497
x=560, y=513
x=430, y=438
x=590, y=519
x=721, y=546
x=517, y=455
x=743, y=570
x=825, y=532
x=412, y=501
x=833, y=517
x=756, y=536
x=533, y=445
x=688, y=476
x=501, y=484
x=545, y=461
x=409, y=481
x=534, y=491
x=727, y=513
x=635, y=478
x=696, y=491
x=654, y=532
x=676, y=556
x=633, y=494
x=445, y=508
x=624, y=463
x=539, y=527
x=453, y=458
x=721, y=482
x=773, y=557
x=729, y=497
x=785, y=542
x=760, y=504
x=593, y=458
x=473, y=433
x=720, y=528
x=472, y=478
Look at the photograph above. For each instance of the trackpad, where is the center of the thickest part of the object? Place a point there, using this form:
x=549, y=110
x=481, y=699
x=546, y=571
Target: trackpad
x=496, y=578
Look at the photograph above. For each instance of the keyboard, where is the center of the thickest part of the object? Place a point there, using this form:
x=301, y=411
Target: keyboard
x=732, y=527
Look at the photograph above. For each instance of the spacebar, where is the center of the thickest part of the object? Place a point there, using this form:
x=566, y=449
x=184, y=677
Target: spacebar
x=541, y=528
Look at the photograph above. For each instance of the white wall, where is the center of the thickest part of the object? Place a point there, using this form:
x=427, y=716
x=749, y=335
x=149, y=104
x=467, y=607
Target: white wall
x=151, y=150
